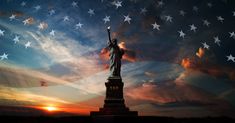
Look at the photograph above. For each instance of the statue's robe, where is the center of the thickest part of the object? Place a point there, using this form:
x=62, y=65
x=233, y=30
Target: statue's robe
x=115, y=56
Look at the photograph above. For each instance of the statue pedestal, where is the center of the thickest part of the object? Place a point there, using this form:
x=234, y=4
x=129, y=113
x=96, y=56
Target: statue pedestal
x=114, y=104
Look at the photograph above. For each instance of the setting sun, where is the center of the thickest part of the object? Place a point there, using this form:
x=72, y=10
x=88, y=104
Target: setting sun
x=50, y=108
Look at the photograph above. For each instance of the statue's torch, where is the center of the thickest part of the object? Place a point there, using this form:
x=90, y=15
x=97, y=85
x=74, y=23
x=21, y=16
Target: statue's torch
x=108, y=29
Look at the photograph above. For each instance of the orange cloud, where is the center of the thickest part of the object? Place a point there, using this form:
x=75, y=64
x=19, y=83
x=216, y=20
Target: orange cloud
x=200, y=52
x=186, y=63
x=129, y=55
x=29, y=20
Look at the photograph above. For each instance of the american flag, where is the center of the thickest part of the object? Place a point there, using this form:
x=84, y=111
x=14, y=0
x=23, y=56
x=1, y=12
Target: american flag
x=179, y=61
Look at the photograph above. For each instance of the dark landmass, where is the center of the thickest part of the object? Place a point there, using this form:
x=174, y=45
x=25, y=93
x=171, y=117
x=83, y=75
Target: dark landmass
x=88, y=119
x=14, y=114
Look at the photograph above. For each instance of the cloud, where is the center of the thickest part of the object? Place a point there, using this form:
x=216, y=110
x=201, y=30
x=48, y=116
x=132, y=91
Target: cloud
x=166, y=93
x=200, y=52
x=19, y=96
x=71, y=54
x=129, y=55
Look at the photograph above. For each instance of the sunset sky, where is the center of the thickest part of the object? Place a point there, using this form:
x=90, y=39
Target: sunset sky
x=179, y=57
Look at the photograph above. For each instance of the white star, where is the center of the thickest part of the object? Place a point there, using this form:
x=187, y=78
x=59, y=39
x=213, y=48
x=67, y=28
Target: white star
x=160, y=3
x=23, y=3
x=37, y=7
x=182, y=13
x=232, y=34
x=169, y=18
x=79, y=25
x=207, y=23
x=217, y=40
x=51, y=12
x=41, y=26
x=52, y=32
x=13, y=16
x=74, y=4
x=16, y=39
x=230, y=57
x=143, y=11
x=209, y=5
x=127, y=18
x=66, y=18
x=219, y=18
x=28, y=44
x=182, y=34
x=2, y=32
x=26, y=21
x=205, y=45
x=193, y=28
x=91, y=12
x=195, y=8
x=156, y=26
x=117, y=4
x=233, y=13
x=106, y=19
x=4, y=56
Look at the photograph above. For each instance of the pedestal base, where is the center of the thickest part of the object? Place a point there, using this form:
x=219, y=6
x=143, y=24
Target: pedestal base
x=114, y=103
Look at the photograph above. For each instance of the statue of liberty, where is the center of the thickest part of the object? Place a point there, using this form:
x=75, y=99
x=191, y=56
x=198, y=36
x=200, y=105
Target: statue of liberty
x=115, y=56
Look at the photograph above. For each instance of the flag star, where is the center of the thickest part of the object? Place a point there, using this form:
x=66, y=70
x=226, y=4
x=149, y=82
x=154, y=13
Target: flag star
x=117, y=4
x=16, y=39
x=23, y=3
x=182, y=34
x=143, y=11
x=28, y=44
x=79, y=25
x=193, y=27
x=26, y=21
x=52, y=32
x=37, y=7
x=217, y=40
x=169, y=18
x=182, y=13
x=13, y=16
x=231, y=58
x=232, y=34
x=127, y=18
x=206, y=22
x=40, y=26
x=205, y=45
x=106, y=19
x=219, y=18
x=2, y=32
x=156, y=26
x=160, y=3
x=74, y=4
x=4, y=56
x=91, y=12
x=195, y=8
x=209, y=5
x=66, y=18
x=51, y=12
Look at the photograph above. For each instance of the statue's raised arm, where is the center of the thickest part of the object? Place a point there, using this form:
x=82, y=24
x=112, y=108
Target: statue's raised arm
x=109, y=35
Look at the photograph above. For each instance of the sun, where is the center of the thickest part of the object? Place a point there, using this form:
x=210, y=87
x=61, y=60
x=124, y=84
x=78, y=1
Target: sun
x=50, y=108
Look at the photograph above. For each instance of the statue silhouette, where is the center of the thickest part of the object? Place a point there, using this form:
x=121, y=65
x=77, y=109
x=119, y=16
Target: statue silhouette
x=115, y=56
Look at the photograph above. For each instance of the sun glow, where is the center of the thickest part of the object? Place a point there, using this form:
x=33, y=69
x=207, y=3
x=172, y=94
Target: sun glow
x=51, y=108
